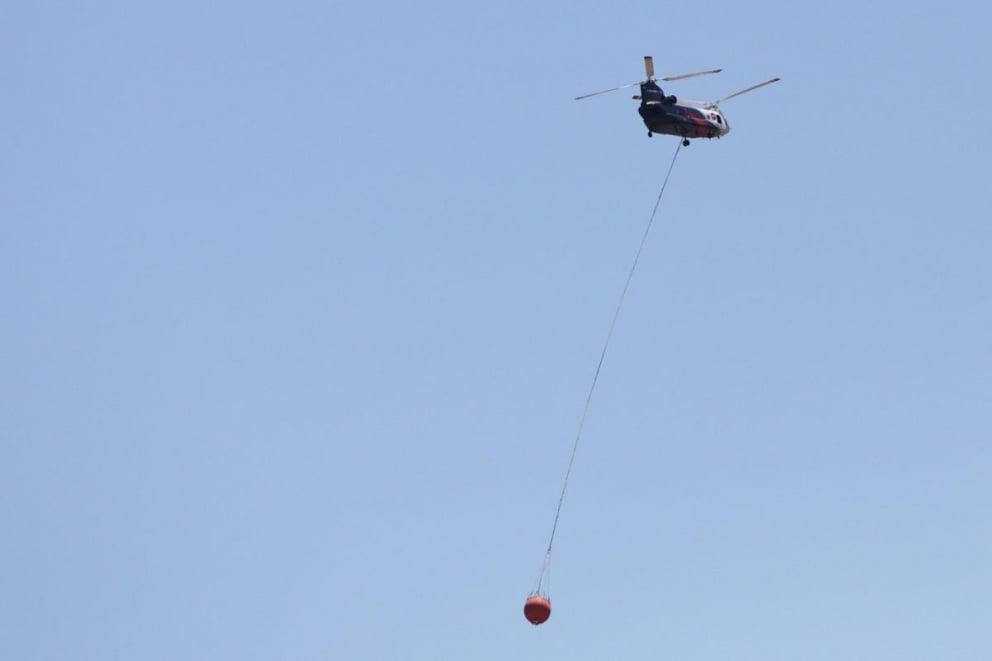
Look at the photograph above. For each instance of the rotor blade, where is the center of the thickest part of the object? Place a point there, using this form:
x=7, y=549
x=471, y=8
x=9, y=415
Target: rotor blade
x=744, y=91
x=691, y=75
x=649, y=66
x=612, y=89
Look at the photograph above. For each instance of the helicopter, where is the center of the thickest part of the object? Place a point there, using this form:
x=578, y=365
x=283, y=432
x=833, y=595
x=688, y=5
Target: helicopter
x=680, y=117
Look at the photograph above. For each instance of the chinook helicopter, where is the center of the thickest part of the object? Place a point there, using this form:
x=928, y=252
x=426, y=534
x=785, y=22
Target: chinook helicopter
x=680, y=117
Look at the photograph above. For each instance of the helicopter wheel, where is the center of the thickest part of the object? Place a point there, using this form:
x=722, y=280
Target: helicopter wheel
x=685, y=142
x=650, y=134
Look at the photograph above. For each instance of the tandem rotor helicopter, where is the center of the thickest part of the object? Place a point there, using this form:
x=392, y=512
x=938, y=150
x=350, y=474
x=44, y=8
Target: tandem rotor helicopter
x=680, y=117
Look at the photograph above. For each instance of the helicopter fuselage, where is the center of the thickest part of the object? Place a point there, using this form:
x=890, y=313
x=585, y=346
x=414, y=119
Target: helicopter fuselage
x=671, y=118
x=664, y=114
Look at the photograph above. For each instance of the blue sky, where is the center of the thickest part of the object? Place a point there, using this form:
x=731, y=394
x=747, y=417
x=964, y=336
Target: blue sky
x=300, y=303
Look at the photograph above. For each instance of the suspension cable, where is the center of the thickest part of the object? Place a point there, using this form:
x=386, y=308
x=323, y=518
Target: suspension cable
x=545, y=566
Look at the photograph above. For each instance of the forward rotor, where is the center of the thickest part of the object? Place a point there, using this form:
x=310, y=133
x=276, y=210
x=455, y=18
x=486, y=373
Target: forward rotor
x=715, y=104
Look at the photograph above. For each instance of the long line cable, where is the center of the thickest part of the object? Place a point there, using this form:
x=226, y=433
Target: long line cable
x=599, y=366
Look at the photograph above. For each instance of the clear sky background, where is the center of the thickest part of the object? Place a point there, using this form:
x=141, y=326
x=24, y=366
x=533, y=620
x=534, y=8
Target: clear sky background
x=300, y=302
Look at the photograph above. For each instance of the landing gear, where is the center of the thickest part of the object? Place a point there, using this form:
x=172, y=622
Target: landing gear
x=685, y=142
x=650, y=134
